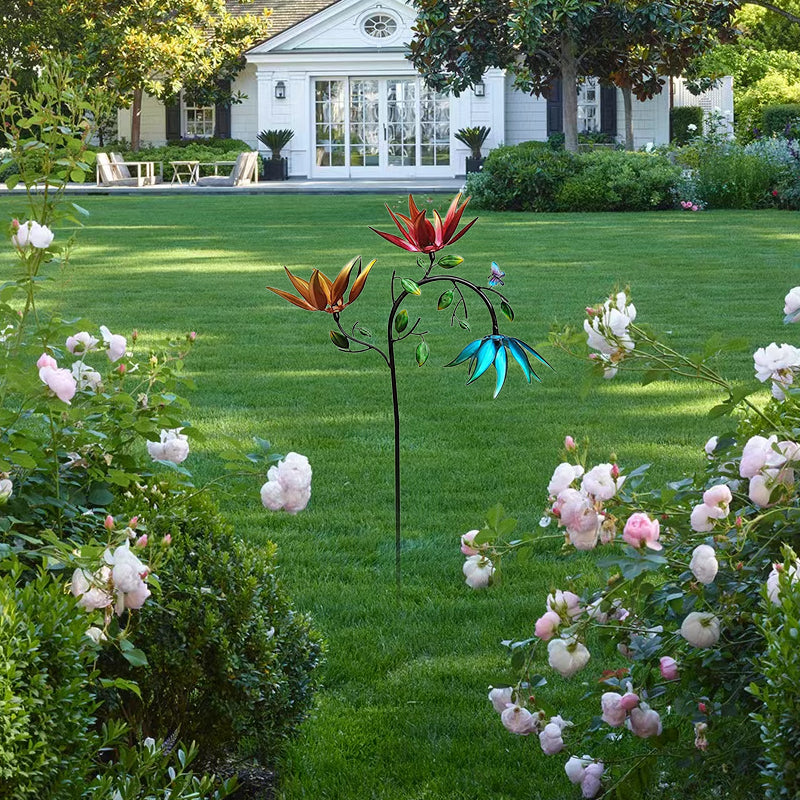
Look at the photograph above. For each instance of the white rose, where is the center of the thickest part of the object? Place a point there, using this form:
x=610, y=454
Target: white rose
x=711, y=445
x=567, y=658
x=701, y=629
x=82, y=342
x=791, y=304
x=272, y=496
x=704, y=564
x=174, y=446
x=31, y=232
x=518, y=720
x=563, y=476
x=6, y=488
x=600, y=482
x=86, y=377
x=760, y=488
x=478, y=571
x=773, y=581
x=551, y=739
x=116, y=345
x=501, y=698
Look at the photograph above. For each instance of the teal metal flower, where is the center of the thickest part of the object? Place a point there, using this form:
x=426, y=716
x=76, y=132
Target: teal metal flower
x=482, y=353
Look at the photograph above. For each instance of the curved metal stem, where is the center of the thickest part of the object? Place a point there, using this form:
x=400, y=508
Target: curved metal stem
x=456, y=281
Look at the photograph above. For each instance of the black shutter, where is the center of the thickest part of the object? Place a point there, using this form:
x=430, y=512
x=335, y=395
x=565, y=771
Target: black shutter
x=555, y=121
x=222, y=114
x=173, y=109
x=608, y=110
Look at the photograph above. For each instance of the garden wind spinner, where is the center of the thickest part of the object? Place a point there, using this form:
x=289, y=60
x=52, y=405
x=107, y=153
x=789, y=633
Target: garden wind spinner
x=418, y=235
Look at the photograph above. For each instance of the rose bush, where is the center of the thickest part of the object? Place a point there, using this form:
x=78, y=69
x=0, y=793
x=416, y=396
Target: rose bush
x=680, y=645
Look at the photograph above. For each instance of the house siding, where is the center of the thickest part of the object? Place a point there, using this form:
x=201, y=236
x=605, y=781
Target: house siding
x=525, y=115
x=244, y=115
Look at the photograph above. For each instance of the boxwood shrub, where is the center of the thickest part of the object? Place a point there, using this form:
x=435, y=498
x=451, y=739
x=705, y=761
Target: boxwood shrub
x=47, y=709
x=616, y=180
x=523, y=177
x=231, y=664
x=775, y=120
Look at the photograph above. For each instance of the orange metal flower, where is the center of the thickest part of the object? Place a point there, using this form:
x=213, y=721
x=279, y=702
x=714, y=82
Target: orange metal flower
x=419, y=235
x=319, y=293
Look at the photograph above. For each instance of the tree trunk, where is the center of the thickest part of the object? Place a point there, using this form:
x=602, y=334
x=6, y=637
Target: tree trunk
x=136, y=119
x=627, y=102
x=569, y=93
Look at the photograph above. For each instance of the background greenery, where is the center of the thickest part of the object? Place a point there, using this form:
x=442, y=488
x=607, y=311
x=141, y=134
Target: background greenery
x=404, y=712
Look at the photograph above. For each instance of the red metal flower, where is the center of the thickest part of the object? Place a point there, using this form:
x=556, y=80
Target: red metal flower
x=419, y=235
x=319, y=293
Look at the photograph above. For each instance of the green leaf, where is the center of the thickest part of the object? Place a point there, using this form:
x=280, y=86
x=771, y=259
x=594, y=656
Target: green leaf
x=507, y=310
x=340, y=340
x=136, y=658
x=12, y=181
x=77, y=175
x=80, y=209
x=450, y=261
x=410, y=286
x=464, y=324
x=422, y=353
x=121, y=683
x=401, y=321
x=445, y=300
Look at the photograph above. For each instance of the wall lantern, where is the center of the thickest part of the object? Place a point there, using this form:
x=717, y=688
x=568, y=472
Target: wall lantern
x=280, y=90
x=480, y=89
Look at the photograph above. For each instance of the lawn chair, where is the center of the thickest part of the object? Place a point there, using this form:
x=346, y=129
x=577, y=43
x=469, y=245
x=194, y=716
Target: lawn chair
x=145, y=170
x=244, y=171
x=113, y=171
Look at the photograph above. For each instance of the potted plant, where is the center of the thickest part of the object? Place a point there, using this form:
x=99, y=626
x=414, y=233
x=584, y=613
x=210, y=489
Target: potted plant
x=275, y=168
x=474, y=139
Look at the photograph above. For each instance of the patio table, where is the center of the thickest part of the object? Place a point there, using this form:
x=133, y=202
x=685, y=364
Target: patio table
x=185, y=169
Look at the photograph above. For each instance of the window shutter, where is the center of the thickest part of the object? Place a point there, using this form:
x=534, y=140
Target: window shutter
x=608, y=110
x=222, y=115
x=555, y=122
x=173, y=111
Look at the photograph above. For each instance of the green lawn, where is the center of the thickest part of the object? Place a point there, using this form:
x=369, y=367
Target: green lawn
x=404, y=711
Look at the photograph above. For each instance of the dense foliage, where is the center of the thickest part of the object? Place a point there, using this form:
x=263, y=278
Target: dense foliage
x=685, y=123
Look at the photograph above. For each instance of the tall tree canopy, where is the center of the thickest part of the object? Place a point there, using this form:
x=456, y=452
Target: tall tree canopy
x=631, y=43
x=133, y=46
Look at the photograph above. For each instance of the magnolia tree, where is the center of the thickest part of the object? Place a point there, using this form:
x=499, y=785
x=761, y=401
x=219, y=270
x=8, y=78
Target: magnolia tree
x=687, y=637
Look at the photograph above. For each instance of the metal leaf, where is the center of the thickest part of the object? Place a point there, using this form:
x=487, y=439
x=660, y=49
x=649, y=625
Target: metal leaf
x=445, y=300
x=422, y=353
x=507, y=310
x=410, y=286
x=401, y=321
x=340, y=340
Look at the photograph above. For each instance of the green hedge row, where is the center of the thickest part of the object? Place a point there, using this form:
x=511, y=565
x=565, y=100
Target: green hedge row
x=533, y=177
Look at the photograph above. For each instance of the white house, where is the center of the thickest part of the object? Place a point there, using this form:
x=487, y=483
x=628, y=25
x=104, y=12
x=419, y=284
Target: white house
x=337, y=75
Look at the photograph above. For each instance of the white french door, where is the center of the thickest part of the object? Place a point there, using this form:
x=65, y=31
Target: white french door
x=380, y=127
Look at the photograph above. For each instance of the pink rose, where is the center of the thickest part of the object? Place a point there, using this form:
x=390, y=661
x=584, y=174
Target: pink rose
x=668, y=667
x=645, y=722
x=60, y=381
x=641, y=530
x=613, y=712
x=46, y=360
x=718, y=497
x=518, y=720
x=466, y=544
x=629, y=701
x=547, y=625
x=569, y=444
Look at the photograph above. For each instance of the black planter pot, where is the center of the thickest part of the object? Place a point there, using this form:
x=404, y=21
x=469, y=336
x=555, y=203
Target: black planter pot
x=475, y=164
x=275, y=169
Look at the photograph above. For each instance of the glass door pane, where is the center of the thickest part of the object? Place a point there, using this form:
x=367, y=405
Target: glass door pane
x=401, y=122
x=434, y=128
x=329, y=115
x=365, y=124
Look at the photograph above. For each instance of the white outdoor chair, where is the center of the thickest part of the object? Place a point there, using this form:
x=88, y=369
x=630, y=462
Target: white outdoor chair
x=145, y=170
x=244, y=172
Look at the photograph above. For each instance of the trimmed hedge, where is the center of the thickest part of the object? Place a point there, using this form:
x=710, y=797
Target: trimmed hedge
x=523, y=177
x=532, y=177
x=777, y=119
x=616, y=180
x=680, y=118
x=231, y=664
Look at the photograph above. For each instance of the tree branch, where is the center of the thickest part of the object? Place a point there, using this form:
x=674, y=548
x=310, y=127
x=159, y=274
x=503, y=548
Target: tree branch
x=771, y=7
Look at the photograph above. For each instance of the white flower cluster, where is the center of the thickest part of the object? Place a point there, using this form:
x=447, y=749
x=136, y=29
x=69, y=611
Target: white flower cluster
x=780, y=364
x=607, y=331
x=579, y=511
x=768, y=464
x=288, y=485
x=121, y=581
x=174, y=447
x=31, y=233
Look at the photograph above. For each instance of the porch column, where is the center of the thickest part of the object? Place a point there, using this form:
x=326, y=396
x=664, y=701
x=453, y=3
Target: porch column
x=264, y=102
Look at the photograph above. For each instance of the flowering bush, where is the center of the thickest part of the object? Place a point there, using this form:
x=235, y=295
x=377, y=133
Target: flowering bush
x=81, y=409
x=690, y=633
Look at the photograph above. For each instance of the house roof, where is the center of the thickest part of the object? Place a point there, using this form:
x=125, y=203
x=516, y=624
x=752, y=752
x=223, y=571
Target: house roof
x=285, y=13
